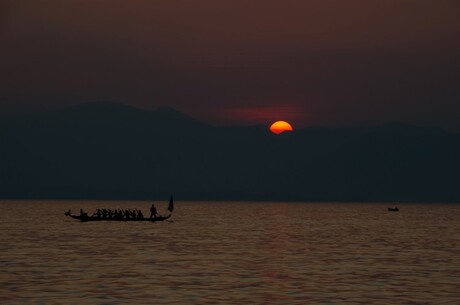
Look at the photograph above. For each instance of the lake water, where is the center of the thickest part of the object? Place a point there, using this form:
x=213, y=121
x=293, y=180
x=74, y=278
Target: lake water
x=231, y=253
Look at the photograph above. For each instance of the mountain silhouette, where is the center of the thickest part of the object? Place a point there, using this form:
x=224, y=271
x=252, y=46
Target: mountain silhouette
x=112, y=151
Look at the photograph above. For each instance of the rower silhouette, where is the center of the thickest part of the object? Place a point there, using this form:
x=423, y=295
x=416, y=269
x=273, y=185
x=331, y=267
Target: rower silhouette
x=153, y=211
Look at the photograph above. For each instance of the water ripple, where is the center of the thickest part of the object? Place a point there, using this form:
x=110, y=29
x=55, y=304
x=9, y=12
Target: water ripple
x=232, y=253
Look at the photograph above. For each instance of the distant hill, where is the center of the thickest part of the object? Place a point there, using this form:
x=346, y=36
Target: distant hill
x=112, y=151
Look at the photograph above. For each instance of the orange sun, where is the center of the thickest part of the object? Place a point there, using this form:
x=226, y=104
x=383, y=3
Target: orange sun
x=280, y=126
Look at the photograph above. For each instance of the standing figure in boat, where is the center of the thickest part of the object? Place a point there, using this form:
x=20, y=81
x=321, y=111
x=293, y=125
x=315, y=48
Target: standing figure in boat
x=153, y=211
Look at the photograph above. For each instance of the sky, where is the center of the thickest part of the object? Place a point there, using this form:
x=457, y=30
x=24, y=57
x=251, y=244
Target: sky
x=312, y=63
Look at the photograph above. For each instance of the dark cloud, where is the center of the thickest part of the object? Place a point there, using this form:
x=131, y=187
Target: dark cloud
x=316, y=62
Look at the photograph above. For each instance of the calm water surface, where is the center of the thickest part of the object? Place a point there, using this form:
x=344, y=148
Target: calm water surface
x=231, y=253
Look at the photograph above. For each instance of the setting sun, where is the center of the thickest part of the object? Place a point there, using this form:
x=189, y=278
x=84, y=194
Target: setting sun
x=280, y=126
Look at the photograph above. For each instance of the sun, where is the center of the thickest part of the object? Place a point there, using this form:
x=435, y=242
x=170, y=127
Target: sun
x=280, y=126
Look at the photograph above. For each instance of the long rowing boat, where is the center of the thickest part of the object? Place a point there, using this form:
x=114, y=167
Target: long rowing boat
x=84, y=217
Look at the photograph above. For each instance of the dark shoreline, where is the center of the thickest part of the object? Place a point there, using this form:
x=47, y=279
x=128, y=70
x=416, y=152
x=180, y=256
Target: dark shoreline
x=163, y=196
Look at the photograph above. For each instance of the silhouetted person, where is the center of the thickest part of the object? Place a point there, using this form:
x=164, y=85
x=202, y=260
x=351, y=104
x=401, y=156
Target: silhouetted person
x=83, y=214
x=139, y=214
x=153, y=211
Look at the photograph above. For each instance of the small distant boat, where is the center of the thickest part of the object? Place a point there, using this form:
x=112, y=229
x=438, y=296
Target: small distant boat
x=83, y=217
x=395, y=209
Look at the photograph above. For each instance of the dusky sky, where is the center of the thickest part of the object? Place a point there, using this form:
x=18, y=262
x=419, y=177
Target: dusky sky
x=324, y=62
